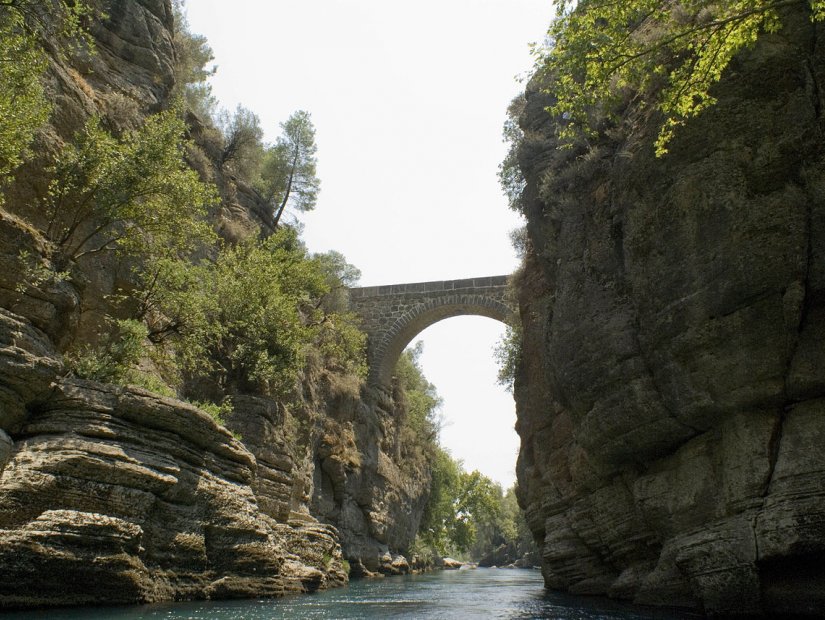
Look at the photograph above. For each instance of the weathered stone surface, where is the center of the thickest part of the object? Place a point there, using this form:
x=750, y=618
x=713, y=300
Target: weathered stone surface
x=394, y=314
x=366, y=481
x=6, y=445
x=28, y=366
x=670, y=397
x=157, y=494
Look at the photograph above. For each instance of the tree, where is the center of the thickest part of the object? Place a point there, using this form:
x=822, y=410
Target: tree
x=192, y=66
x=508, y=356
x=243, y=148
x=246, y=321
x=672, y=52
x=439, y=513
x=510, y=177
x=25, y=26
x=289, y=169
x=135, y=194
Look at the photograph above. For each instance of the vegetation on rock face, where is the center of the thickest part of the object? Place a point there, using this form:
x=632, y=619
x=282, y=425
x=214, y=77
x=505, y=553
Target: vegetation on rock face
x=467, y=514
x=289, y=167
x=134, y=194
x=247, y=319
x=283, y=174
x=193, y=67
x=24, y=25
x=669, y=52
x=239, y=317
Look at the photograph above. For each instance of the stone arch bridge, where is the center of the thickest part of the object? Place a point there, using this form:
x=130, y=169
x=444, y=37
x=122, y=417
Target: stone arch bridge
x=393, y=315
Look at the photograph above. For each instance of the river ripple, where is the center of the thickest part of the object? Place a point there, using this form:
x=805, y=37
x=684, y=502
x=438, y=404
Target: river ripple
x=465, y=594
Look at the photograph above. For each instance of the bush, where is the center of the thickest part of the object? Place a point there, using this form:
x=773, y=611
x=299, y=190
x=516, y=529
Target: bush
x=246, y=321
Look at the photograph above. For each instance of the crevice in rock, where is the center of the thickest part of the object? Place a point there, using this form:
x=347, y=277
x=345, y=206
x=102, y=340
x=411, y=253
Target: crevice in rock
x=809, y=66
x=773, y=451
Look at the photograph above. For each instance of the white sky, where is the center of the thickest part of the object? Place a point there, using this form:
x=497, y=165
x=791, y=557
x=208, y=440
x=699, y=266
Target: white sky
x=408, y=101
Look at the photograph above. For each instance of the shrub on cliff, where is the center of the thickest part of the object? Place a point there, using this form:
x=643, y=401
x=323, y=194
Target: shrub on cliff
x=133, y=194
x=246, y=320
x=25, y=26
x=672, y=53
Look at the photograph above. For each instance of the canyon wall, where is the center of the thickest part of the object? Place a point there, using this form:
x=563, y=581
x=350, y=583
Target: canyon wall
x=671, y=396
x=112, y=494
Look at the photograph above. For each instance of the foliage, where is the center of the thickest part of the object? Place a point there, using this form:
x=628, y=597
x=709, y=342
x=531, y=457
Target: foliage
x=243, y=149
x=422, y=400
x=135, y=194
x=460, y=504
x=670, y=51
x=510, y=176
x=248, y=318
x=217, y=412
x=508, y=356
x=435, y=527
x=339, y=271
x=477, y=503
x=192, y=69
x=115, y=358
x=288, y=177
x=25, y=26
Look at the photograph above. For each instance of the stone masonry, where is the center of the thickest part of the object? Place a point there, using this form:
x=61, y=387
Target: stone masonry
x=393, y=315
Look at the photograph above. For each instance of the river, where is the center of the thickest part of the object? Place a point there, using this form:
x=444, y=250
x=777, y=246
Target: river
x=464, y=595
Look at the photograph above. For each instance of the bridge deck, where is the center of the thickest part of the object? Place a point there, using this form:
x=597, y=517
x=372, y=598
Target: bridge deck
x=428, y=287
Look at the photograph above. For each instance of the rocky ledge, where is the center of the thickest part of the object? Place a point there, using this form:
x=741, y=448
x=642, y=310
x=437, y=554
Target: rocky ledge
x=117, y=495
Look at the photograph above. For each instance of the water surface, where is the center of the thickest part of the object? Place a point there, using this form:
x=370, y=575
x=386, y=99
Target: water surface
x=464, y=594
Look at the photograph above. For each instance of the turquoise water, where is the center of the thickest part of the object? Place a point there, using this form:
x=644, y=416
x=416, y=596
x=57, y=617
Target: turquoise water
x=465, y=594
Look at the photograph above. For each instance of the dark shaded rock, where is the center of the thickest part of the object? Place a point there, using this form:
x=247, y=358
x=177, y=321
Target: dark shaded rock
x=670, y=396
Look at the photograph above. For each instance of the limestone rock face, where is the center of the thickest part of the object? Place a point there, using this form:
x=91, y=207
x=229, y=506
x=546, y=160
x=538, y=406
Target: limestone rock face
x=118, y=495
x=114, y=494
x=364, y=481
x=671, y=399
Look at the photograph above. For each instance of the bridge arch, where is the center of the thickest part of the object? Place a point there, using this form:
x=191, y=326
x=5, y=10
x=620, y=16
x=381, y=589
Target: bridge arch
x=393, y=315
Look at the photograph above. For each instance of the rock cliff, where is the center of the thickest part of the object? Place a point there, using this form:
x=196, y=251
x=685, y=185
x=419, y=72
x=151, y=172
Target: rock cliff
x=116, y=495
x=113, y=494
x=671, y=397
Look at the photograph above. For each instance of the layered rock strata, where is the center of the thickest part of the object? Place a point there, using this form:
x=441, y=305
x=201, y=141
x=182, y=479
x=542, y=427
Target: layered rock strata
x=117, y=495
x=671, y=399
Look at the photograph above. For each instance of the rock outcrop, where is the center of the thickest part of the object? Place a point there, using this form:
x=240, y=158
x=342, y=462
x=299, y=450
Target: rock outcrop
x=671, y=399
x=365, y=482
x=116, y=495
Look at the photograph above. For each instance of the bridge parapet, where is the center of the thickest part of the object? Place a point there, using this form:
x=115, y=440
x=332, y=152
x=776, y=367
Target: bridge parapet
x=392, y=315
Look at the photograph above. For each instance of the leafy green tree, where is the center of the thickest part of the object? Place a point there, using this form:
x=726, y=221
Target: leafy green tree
x=435, y=528
x=478, y=504
x=508, y=356
x=600, y=50
x=25, y=26
x=460, y=505
x=135, y=194
x=193, y=56
x=340, y=271
x=289, y=168
x=247, y=320
x=243, y=149
x=510, y=177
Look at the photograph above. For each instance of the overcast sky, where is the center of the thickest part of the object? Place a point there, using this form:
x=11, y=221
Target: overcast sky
x=408, y=101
